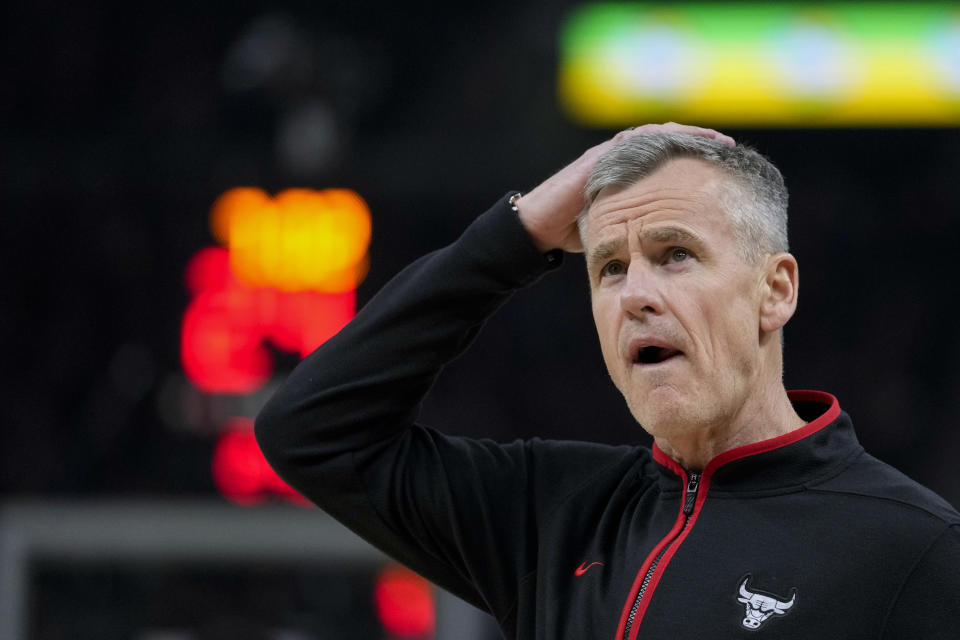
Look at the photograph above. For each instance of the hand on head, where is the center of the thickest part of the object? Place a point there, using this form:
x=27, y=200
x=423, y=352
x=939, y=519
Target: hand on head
x=549, y=212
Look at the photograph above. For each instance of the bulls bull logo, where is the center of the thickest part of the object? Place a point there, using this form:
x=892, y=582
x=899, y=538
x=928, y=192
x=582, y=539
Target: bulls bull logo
x=761, y=607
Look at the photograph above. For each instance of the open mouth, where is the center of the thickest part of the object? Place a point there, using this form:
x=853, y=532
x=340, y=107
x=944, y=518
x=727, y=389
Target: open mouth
x=655, y=355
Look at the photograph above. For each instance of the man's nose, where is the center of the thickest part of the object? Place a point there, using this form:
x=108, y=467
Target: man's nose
x=640, y=294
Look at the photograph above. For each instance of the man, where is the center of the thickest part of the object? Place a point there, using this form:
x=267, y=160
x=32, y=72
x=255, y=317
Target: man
x=756, y=512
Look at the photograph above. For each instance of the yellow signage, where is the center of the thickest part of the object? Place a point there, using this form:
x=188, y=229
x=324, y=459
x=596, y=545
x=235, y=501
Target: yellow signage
x=763, y=64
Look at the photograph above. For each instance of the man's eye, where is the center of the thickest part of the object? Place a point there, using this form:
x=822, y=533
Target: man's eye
x=678, y=254
x=613, y=268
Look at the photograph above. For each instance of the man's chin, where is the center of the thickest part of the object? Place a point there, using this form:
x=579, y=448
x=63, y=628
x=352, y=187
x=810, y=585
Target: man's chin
x=663, y=410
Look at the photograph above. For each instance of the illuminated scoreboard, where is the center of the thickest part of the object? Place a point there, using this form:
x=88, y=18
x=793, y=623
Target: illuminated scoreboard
x=766, y=64
x=283, y=276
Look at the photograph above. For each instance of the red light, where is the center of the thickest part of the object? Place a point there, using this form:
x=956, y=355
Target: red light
x=208, y=270
x=226, y=324
x=240, y=471
x=287, y=278
x=404, y=603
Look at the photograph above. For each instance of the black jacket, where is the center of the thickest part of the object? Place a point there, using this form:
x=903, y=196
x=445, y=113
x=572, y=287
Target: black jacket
x=802, y=536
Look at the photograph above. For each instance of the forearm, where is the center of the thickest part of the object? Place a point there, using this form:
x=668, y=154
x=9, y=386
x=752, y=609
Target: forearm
x=365, y=384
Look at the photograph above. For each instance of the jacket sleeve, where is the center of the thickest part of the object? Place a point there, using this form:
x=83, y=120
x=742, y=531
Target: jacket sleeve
x=341, y=429
x=927, y=606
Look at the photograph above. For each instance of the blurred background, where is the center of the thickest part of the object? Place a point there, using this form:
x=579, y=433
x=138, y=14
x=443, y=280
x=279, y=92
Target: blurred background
x=195, y=196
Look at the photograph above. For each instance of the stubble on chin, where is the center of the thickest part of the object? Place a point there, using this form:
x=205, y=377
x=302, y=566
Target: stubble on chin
x=663, y=410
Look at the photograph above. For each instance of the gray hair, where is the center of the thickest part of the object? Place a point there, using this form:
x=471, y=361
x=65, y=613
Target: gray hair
x=755, y=197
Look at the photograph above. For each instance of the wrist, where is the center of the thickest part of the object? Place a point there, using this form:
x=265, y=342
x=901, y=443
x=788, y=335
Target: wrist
x=514, y=202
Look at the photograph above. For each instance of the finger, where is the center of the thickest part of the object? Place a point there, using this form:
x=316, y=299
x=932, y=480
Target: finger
x=719, y=137
x=700, y=131
x=674, y=127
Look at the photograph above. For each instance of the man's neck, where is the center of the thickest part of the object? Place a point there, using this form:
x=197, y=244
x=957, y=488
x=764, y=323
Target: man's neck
x=764, y=418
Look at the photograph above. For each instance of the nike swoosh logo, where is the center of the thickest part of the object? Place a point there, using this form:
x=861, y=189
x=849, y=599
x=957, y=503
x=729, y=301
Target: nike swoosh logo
x=579, y=571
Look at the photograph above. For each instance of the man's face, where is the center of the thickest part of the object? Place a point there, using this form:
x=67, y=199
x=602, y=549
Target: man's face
x=676, y=306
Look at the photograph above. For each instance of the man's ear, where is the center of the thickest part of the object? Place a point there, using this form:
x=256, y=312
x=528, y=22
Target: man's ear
x=778, y=294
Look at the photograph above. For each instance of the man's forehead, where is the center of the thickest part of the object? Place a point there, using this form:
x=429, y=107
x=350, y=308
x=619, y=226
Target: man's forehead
x=683, y=189
x=677, y=180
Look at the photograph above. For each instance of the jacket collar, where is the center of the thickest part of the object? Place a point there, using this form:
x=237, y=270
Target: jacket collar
x=815, y=450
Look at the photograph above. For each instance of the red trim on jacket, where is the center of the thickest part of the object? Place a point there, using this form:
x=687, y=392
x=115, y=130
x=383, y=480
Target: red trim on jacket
x=827, y=417
x=635, y=587
x=664, y=561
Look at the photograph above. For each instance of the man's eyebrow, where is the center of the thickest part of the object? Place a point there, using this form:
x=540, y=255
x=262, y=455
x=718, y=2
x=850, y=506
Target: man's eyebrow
x=662, y=235
x=605, y=250
x=669, y=234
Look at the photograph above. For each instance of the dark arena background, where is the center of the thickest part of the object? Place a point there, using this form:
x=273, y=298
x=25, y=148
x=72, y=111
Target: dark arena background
x=195, y=195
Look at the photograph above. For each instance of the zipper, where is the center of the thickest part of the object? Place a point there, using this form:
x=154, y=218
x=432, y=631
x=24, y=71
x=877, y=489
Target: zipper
x=689, y=502
x=690, y=497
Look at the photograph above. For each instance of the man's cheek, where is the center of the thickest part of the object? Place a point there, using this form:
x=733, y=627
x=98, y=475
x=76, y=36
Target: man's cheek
x=607, y=335
x=614, y=368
